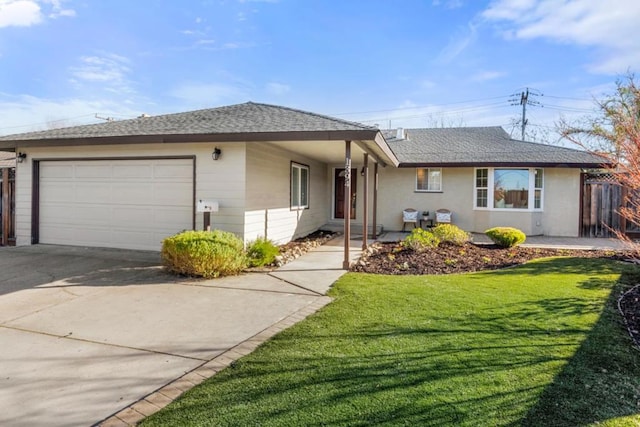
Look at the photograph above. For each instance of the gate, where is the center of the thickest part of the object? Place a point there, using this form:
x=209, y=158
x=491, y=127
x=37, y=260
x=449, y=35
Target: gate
x=7, y=206
x=602, y=196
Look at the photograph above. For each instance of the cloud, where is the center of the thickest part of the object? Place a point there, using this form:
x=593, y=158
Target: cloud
x=25, y=113
x=107, y=69
x=22, y=13
x=427, y=84
x=197, y=94
x=609, y=27
x=484, y=76
x=458, y=44
x=25, y=13
x=449, y=4
x=57, y=10
x=278, y=88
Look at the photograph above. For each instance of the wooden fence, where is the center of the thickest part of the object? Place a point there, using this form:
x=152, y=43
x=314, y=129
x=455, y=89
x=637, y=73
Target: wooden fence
x=602, y=197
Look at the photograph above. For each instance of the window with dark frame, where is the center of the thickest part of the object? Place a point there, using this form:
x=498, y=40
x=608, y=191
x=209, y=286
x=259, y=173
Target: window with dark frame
x=429, y=179
x=299, y=186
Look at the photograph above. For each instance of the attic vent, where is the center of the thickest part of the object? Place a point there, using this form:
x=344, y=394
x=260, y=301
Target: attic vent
x=400, y=134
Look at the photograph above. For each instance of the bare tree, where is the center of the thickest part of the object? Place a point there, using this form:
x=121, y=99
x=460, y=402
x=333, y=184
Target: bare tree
x=434, y=121
x=614, y=134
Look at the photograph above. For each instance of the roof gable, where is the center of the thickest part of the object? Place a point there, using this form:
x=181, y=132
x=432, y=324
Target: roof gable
x=474, y=146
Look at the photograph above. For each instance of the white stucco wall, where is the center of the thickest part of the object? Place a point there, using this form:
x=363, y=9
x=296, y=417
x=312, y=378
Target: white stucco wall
x=561, y=216
x=268, y=213
x=561, y=203
x=222, y=180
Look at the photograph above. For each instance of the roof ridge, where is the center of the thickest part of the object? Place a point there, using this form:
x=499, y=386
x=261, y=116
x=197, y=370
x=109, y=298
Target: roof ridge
x=455, y=128
x=550, y=145
x=323, y=116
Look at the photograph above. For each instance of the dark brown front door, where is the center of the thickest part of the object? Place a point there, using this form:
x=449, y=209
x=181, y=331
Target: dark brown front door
x=338, y=209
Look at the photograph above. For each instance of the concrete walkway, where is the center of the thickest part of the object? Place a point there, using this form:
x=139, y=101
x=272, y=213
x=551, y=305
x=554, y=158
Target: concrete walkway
x=99, y=336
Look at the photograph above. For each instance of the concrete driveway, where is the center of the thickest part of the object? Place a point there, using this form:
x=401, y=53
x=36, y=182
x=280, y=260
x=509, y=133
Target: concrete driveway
x=85, y=333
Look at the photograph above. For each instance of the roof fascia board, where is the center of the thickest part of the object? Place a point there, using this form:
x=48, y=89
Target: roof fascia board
x=377, y=152
x=338, y=135
x=503, y=164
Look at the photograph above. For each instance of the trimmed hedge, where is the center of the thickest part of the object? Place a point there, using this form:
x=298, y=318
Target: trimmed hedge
x=420, y=239
x=261, y=252
x=451, y=234
x=506, y=237
x=205, y=254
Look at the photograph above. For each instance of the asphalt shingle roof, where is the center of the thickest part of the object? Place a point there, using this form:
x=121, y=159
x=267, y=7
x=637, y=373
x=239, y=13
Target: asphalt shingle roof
x=244, y=118
x=480, y=146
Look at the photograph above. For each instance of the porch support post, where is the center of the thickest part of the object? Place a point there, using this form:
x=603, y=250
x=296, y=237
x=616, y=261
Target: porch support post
x=365, y=202
x=6, y=209
x=375, y=200
x=347, y=203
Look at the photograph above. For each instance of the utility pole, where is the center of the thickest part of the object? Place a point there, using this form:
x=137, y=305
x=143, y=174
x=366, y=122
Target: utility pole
x=524, y=101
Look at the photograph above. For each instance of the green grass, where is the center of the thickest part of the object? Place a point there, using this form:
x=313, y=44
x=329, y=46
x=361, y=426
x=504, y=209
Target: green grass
x=537, y=345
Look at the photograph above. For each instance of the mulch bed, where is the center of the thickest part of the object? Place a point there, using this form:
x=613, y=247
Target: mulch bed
x=629, y=307
x=392, y=258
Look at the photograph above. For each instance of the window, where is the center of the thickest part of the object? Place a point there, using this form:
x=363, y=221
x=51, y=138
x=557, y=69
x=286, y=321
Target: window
x=482, y=188
x=538, y=184
x=511, y=188
x=428, y=179
x=299, y=186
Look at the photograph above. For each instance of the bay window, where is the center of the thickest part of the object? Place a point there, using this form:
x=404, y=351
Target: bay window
x=509, y=188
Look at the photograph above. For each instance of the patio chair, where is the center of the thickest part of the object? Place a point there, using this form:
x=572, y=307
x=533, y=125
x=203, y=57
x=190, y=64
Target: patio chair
x=409, y=215
x=443, y=216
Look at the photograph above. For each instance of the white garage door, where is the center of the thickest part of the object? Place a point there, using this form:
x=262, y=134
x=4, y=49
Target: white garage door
x=130, y=204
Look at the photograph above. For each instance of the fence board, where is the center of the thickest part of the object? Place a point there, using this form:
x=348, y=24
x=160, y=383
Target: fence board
x=602, y=197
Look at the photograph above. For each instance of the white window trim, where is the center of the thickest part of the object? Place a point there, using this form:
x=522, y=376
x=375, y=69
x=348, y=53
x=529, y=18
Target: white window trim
x=490, y=193
x=418, y=190
x=300, y=167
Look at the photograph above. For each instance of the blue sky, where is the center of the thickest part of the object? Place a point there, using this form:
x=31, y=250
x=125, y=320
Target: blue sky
x=404, y=63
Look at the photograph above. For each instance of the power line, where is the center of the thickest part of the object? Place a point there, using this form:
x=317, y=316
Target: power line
x=419, y=106
x=524, y=101
x=441, y=113
x=47, y=122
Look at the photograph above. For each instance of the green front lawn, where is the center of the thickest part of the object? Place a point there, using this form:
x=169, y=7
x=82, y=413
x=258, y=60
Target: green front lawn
x=538, y=345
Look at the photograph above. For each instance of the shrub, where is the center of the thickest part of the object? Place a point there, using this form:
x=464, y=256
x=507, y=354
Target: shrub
x=451, y=234
x=506, y=237
x=261, y=252
x=204, y=253
x=420, y=239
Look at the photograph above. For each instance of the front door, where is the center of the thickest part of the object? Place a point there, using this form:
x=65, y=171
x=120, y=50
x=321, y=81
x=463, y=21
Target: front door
x=338, y=207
